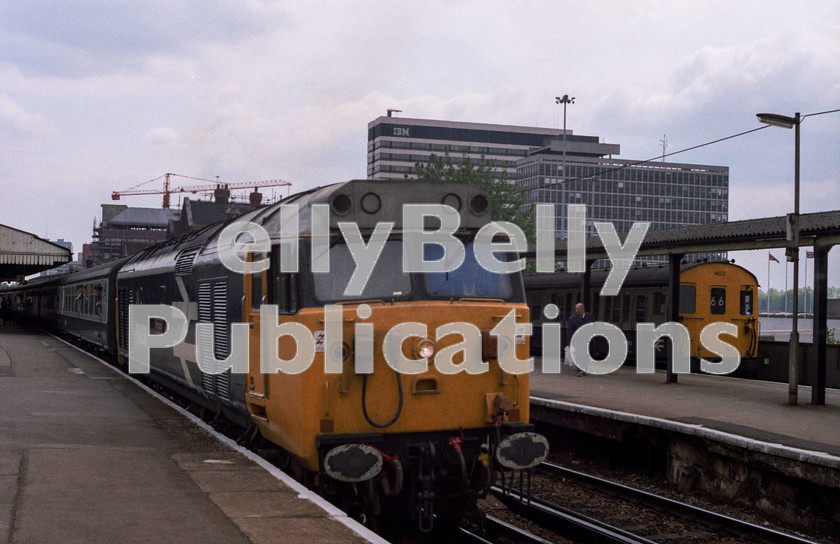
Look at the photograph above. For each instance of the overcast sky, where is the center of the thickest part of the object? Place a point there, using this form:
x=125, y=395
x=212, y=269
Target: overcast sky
x=101, y=96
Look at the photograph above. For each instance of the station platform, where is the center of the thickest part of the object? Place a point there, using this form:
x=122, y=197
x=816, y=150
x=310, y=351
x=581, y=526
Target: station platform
x=754, y=413
x=88, y=455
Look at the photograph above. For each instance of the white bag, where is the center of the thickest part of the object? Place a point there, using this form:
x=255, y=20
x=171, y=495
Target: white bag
x=568, y=360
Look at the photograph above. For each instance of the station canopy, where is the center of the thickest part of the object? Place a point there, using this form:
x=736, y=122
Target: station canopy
x=23, y=254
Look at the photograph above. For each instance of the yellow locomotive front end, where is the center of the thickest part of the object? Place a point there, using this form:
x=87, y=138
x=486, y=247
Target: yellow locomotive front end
x=412, y=383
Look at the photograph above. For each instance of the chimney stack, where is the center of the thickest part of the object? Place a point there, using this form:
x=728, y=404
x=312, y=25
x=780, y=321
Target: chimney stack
x=221, y=194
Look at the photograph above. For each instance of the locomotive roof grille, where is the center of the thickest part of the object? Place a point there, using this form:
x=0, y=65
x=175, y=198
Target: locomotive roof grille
x=184, y=263
x=363, y=202
x=368, y=202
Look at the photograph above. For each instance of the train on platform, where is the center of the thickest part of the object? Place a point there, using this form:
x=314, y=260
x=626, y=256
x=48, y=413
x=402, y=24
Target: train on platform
x=709, y=292
x=424, y=445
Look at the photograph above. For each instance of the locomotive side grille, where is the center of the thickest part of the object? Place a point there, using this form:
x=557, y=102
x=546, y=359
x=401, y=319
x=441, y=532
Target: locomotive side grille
x=205, y=315
x=205, y=307
x=125, y=297
x=184, y=263
x=212, y=308
x=221, y=335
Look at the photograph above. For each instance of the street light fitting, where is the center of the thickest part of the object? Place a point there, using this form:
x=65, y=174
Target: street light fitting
x=564, y=99
x=776, y=120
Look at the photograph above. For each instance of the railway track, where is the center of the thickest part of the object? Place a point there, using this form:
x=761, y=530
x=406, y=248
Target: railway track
x=752, y=531
x=565, y=522
x=599, y=510
x=497, y=530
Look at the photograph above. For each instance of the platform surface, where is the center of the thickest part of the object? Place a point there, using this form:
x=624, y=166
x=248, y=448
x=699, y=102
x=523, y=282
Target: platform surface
x=754, y=410
x=87, y=455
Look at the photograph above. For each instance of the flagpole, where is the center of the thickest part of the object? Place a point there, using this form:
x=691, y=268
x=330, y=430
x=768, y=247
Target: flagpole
x=768, y=285
x=786, y=284
x=786, y=267
x=806, y=282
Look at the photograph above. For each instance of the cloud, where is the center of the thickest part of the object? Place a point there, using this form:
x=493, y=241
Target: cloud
x=100, y=96
x=20, y=122
x=86, y=37
x=165, y=135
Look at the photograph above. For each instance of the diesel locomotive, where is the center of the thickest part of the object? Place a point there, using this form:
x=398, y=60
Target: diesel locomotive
x=423, y=439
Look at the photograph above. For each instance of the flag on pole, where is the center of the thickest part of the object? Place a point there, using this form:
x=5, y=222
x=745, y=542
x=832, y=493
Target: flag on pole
x=772, y=258
x=809, y=254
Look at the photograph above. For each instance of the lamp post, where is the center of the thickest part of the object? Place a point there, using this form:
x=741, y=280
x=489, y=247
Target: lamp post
x=792, y=251
x=565, y=100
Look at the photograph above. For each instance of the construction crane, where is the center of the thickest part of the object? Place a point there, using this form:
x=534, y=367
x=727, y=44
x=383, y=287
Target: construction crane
x=168, y=190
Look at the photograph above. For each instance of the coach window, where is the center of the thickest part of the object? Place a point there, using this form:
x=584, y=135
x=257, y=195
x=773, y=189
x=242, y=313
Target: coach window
x=641, y=305
x=746, y=301
x=97, y=298
x=688, y=299
x=625, y=308
x=605, y=316
x=658, y=303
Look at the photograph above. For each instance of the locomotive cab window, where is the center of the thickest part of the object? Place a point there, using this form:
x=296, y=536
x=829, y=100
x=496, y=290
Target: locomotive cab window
x=386, y=281
x=470, y=279
x=717, y=302
x=747, y=300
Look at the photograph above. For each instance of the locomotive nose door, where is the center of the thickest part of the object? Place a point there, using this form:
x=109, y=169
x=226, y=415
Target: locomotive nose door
x=255, y=291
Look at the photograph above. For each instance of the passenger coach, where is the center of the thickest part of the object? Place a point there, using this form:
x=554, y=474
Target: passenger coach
x=709, y=292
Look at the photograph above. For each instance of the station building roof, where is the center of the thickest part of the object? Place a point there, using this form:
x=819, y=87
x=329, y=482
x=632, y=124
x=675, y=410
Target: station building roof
x=815, y=229
x=23, y=253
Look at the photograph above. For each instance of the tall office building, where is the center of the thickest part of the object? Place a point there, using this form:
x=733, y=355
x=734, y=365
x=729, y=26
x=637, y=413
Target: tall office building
x=397, y=144
x=623, y=191
x=619, y=191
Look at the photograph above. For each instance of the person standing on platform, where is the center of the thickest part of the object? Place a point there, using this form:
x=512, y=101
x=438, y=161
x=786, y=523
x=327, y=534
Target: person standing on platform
x=578, y=319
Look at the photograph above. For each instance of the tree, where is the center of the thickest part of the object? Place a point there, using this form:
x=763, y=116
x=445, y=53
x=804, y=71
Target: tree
x=505, y=203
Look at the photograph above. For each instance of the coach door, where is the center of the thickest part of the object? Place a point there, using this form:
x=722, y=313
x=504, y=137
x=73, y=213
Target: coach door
x=741, y=313
x=690, y=315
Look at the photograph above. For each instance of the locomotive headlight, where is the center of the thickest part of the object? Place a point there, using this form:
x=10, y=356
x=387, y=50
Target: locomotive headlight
x=425, y=349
